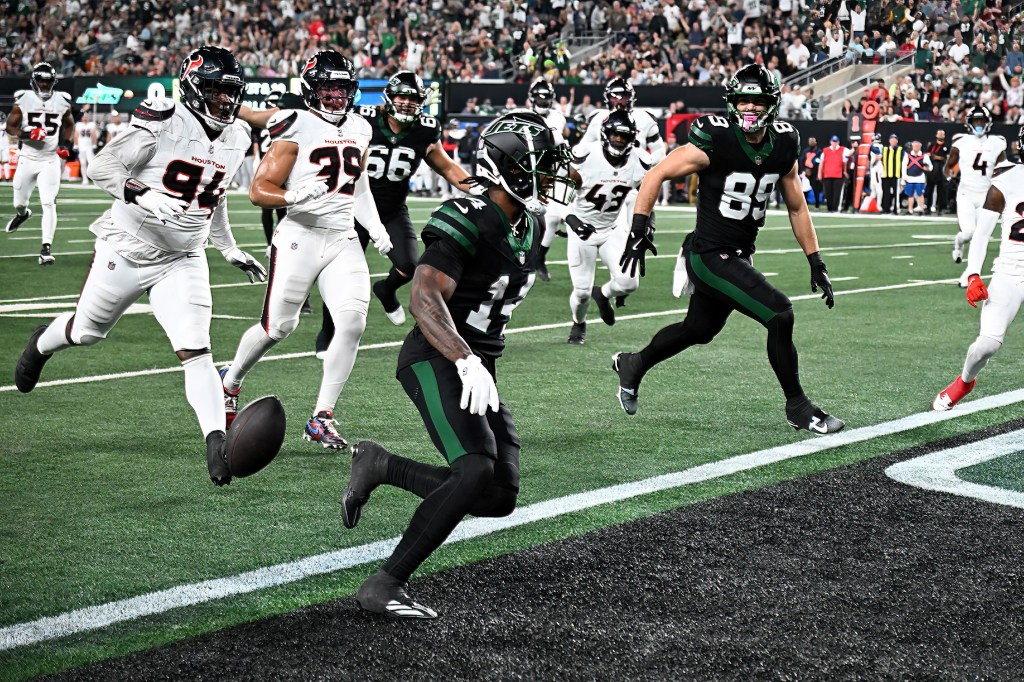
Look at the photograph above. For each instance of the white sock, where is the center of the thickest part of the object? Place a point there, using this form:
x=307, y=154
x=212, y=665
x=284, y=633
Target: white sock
x=978, y=355
x=254, y=345
x=340, y=357
x=55, y=337
x=49, y=222
x=204, y=393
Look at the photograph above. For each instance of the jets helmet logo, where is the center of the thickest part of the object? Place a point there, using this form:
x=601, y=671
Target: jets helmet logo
x=521, y=127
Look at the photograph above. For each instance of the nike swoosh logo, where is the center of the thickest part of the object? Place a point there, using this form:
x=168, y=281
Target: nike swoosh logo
x=817, y=425
x=465, y=211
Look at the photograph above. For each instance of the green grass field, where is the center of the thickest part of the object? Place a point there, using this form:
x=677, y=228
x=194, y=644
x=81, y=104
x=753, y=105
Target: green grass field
x=104, y=483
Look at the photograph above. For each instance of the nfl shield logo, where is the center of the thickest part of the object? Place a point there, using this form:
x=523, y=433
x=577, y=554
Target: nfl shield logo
x=211, y=151
x=110, y=265
x=295, y=246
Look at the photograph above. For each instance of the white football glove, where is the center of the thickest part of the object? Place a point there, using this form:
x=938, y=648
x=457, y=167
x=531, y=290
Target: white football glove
x=478, y=389
x=252, y=268
x=383, y=243
x=307, y=192
x=161, y=205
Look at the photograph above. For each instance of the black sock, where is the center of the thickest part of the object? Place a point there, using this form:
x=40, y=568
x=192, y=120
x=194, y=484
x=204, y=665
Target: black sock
x=327, y=326
x=544, y=252
x=783, y=356
x=418, y=478
x=439, y=514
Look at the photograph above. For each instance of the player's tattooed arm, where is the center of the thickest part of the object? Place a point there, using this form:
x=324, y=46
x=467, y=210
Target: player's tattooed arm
x=431, y=288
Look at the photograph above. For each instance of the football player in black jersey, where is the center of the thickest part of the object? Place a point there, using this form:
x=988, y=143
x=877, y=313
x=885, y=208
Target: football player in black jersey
x=403, y=136
x=740, y=160
x=480, y=261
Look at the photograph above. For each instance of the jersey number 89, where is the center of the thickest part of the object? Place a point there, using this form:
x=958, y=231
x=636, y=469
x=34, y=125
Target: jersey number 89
x=745, y=196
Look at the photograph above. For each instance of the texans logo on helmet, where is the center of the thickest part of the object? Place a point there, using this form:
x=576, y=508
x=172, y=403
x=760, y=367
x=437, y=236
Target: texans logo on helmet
x=311, y=64
x=193, y=64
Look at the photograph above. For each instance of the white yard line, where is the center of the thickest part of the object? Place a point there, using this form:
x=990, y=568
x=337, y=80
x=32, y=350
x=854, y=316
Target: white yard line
x=396, y=344
x=94, y=617
x=937, y=470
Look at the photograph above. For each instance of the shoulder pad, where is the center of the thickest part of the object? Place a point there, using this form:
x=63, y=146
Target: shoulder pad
x=596, y=113
x=456, y=221
x=65, y=95
x=704, y=128
x=645, y=159
x=281, y=125
x=242, y=127
x=18, y=94
x=1002, y=167
x=153, y=114
x=958, y=137
x=358, y=122
x=366, y=111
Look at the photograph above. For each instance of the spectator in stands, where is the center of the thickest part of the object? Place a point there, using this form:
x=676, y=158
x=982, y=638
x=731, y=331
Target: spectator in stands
x=888, y=50
x=797, y=55
x=1015, y=59
x=959, y=51
x=858, y=20
x=935, y=188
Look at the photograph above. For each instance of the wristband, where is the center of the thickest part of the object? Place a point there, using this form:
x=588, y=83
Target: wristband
x=133, y=189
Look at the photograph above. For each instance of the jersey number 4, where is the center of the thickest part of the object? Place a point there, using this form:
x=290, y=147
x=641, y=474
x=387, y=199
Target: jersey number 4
x=745, y=196
x=333, y=162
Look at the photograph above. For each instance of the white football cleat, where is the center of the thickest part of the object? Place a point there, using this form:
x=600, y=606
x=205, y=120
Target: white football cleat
x=396, y=316
x=958, y=253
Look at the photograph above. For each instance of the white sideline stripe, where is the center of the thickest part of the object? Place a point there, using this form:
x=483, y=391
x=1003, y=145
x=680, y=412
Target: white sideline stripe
x=937, y=470
x=94, y=617
x=396, y=344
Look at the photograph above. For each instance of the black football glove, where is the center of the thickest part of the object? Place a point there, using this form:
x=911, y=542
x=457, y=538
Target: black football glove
x=819, y=278
x=641, y=240
x=583, y=230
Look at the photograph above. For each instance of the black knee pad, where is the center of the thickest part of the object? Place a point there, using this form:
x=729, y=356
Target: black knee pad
x=782, y=321
x=500, y=501
x=474, y=473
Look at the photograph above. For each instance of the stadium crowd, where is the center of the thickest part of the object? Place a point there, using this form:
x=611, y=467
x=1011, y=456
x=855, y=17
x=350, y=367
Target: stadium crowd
x=962, y=52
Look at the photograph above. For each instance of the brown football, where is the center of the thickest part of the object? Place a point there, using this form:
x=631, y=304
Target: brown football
x=255, y=436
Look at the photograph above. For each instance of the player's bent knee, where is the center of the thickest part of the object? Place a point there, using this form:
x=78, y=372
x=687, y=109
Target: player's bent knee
x=782, y=321
x=498, y=501
x=405, y=269
x=627, y=285
x=987, y=346
x=582, y=295
x=87, y=339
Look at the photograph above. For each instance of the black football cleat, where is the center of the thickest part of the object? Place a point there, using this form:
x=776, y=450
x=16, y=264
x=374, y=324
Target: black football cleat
x=369, y=469
x=216, y=460
x=809, y=417
x=542, y=272
x=389, y=299
x=306, y=308
x=620, y=301
x=15, y=222
x=578, y=334
x=384, y=594
x=627, y=366
x=604, y=306
x=30, y=364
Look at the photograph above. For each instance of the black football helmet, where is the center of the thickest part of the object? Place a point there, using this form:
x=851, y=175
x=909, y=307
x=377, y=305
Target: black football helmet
x=409, y=86
x=618, y=133
x=752, y=80
x=332, y=74
x=44, y=80
x=542, y=96
x=212, y=84
x=619, y=94
x=978, y=120
x=518, y=152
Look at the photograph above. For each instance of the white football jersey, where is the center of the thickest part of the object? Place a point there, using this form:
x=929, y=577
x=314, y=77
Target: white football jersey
x=604, y=187
x=187, y=165
x=977, y=160
x=85, y=129
x=39, y=113
x=1011, y=242
x=328, y=152
x=556, y=121
x=647, y=128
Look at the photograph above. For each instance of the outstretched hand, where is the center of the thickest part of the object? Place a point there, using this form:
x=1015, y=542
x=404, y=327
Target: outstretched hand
x=641, y=240
x=819, y=279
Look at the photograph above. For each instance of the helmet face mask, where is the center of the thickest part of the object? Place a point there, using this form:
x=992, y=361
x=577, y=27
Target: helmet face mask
x=43, y=80
x=618, y=134
x=542, y=96
x=518, y=152
x=753, y=83
x=212, y=84
x=405, y=97
x=978, y=120
x=329, y=85
x=619, y=95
